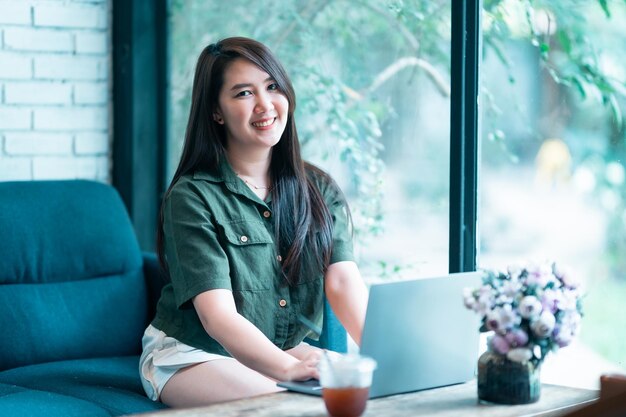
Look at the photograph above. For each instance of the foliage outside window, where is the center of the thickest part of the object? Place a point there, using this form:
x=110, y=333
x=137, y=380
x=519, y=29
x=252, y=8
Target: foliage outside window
x=553, y=147
x=373, y=85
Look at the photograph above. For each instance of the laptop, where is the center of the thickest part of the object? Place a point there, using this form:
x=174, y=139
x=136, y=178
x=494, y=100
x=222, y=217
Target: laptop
x=420, y=334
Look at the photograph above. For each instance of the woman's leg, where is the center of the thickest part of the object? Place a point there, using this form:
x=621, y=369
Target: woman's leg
x=215, y=381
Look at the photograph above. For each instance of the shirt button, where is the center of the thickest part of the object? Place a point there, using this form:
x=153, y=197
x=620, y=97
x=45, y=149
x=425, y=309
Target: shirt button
x=282, y=303
x=266, y=214
x=244, y=238
x=279, y=258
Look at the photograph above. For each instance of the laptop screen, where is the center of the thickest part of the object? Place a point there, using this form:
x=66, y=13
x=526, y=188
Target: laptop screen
x=421, y=334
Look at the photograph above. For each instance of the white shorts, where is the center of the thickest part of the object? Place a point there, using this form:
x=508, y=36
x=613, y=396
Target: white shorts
x=163, y=356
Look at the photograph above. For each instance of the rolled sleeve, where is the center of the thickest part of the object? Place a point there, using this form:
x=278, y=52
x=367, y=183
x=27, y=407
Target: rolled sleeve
x=342, y=227
x=196, y=260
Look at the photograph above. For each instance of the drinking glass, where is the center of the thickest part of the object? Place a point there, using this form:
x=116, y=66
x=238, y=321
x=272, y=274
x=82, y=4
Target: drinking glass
x=345, y=381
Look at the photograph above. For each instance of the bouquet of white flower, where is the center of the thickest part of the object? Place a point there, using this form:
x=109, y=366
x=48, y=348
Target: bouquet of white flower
x=532, y=310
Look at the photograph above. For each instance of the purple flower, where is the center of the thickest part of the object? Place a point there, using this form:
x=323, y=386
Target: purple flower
x=571, y=319
x=529, y=309
x=517, y=338
x=502, y=318
x=484, y=301
x=499, y=344
x=566, y=330
x=540, y=275
x=567, y=277
x=509, y=317
x=550, y=300
x=562, y=335
x=492, y=320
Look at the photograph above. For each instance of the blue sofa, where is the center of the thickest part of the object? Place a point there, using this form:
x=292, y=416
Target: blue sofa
x=76, y=294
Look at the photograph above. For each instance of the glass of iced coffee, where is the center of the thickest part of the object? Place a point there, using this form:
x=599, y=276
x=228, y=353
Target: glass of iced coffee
x=345, y=381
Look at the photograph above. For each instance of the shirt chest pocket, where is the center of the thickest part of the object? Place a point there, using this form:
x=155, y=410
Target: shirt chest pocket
x=250, y=250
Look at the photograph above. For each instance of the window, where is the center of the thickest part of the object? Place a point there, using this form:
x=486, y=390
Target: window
x=373, y=86
x=552, y=166
x=373, y=82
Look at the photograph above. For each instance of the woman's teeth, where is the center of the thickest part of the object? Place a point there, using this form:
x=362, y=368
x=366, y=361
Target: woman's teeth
x=263, y=124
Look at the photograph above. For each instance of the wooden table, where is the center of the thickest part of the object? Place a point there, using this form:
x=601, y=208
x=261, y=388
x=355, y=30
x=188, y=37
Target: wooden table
x=453, y=401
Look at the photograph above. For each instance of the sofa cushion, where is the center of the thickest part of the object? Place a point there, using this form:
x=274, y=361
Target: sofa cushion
x=71, y=276
x=17, y=401
x=58, y=231
x=86, y=387
x=70, y=320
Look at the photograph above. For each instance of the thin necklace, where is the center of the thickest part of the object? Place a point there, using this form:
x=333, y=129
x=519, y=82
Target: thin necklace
x=256, y=187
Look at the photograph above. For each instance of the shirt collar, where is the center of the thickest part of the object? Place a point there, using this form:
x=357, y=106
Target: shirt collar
x=223, y=173
x=226, y=174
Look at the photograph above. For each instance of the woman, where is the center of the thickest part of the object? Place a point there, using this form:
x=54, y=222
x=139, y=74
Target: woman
x=252, y=238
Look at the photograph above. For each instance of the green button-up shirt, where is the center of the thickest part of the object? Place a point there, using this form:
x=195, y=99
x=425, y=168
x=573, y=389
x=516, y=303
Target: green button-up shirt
x=219, y=234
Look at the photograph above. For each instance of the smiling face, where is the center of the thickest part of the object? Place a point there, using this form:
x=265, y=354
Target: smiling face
x=252, y=108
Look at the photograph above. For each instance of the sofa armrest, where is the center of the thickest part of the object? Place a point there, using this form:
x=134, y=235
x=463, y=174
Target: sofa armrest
x=155, y=280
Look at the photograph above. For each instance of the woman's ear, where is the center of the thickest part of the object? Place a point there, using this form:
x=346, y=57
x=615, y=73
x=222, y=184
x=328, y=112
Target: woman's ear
x=218, y=118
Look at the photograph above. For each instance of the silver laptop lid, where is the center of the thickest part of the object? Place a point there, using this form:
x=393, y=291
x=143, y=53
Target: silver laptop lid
x=421, y=334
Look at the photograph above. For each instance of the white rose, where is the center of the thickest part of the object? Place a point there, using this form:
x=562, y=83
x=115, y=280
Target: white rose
x=515, y=271
x=484, y=302
x=508, y=317
x=543, y=326
x=564, y=336
x=468, y=298
x=521, y=355
x=529, y=307
x=568, y=300
x=568, y=277
x=511, y=288
x=571, y=319
x=493, y=321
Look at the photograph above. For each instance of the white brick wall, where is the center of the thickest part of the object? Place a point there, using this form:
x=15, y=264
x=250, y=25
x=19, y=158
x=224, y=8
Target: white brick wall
x=55, y=89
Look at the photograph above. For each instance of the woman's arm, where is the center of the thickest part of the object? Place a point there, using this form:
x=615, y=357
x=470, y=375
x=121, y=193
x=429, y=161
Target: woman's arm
x=347, y=295
x=246, y=343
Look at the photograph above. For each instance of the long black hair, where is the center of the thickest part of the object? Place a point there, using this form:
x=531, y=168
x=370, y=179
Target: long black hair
x=302, y=218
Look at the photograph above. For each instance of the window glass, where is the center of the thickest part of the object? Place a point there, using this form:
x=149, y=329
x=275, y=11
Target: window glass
x=552, y=171
x=373, y=86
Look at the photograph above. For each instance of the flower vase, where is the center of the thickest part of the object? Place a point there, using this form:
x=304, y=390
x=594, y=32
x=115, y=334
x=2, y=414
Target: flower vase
x=503, y=381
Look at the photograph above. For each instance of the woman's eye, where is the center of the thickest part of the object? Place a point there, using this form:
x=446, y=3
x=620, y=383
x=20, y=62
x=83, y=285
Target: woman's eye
x=243, y=93
x=273, y=86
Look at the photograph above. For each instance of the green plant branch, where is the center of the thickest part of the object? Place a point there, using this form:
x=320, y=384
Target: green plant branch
x=435, y=76
x=309, y=12
x=404, y=31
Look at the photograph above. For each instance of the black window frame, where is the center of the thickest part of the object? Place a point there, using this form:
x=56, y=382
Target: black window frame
x=139, y=120
x=466, y=46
